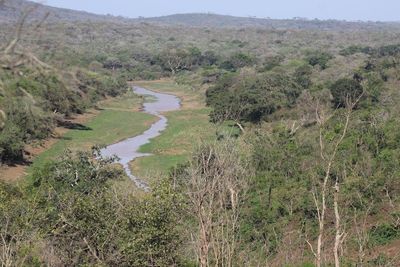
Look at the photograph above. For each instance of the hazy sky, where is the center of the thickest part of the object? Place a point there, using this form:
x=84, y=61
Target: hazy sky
x=382, y=10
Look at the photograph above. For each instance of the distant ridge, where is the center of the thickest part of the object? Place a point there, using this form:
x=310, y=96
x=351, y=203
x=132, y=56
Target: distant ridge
x=226, y=21
x=13, y=8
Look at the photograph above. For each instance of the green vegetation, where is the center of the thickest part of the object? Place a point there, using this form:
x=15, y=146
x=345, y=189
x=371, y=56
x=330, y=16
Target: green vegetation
x=286, y=151
x=383, y=234
x=69, y=206
x=319, y=58
x=34, y=103
x=251, y=97
x=345, y=90
x=24, y=123
x=127, y=102
x=175, y=145
x=109, y=127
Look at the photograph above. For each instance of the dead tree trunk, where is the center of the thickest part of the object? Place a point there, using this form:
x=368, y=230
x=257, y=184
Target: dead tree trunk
x=216, y=181
x=320, y=199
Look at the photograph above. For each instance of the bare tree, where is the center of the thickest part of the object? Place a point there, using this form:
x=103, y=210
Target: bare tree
x=328, y=158
x=362, y=233
x=174, y=60
x=217, y=181
x=7, y=247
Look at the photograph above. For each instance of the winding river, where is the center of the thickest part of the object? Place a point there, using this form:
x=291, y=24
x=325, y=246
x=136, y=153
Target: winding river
x=127, y=150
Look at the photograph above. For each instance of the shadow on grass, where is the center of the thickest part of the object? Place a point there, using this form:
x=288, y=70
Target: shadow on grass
x=66, y=138
x=74, y=126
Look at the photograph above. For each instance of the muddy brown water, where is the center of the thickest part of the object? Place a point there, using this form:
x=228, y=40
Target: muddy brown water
x=128, y=149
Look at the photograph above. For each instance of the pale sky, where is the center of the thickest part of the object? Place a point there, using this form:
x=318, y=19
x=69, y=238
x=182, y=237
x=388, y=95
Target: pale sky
x=375, y=10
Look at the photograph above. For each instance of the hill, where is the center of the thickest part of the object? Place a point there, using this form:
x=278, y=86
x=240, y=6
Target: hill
x=13, y=8
x=225, y=21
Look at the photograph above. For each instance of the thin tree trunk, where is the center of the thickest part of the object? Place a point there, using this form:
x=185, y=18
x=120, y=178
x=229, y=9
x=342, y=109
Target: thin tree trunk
x=321, y=210
x=338, y=234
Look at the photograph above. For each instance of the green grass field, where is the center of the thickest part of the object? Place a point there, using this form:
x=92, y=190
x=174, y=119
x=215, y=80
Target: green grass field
x=186, y=129
x=128, y=101
x=120, y=119
x=190, y=99
x=111, y=125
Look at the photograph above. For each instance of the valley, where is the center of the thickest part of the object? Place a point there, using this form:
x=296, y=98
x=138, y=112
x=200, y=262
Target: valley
x=197, y=139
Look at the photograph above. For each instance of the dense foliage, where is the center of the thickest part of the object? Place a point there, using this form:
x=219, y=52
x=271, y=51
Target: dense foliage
x=251, y=97
x=70, y=208
x=318, y=114
x=33, y=103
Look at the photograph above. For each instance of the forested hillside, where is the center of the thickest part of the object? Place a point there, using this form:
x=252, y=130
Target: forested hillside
x=286, y=151
x=12, y=10
x=225, y=21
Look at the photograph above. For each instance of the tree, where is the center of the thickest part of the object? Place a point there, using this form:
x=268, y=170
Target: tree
x=216, y=181
x=302, y=76
x=345, y=90
x=174, y=60
x=328, y=155
x=209, y=58
x=237, y=61
x=250, y=97
x=319, y=58
x=112, y=63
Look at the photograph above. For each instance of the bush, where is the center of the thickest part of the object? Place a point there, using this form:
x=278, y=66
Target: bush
x=11, y=144
x=319, y=58
x=237, y=61
x=353, y=49
x=25, y=122
x=302, y=76
x=250, y=97
x=31, y=120
x=345, y=90
x=384, y=233
x=79, y=214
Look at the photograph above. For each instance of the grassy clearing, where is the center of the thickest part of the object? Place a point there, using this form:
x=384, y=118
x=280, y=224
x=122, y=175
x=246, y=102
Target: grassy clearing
x=186, y=128
x=128, y=102
x=191, y=99
x=116, y=122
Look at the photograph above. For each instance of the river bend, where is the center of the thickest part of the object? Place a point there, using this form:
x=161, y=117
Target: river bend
x=127, y=150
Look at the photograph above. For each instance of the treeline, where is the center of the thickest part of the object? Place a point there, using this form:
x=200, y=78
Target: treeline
x=171, y=61
x=35, y=97
x=33, y=103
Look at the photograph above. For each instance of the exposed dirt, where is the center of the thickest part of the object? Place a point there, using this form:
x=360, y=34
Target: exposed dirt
x=13, y=173
x=391, y=250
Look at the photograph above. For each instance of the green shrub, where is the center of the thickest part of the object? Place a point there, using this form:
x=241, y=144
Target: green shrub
x=384, y=233
x=11, y=143
x=344, y=91
x=237, y=61
x=319, y=58
x=25, y=122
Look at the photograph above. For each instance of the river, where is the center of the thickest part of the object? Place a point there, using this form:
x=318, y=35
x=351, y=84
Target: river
x=127, y=150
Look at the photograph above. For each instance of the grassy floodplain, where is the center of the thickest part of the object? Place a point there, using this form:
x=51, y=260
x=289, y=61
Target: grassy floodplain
x=186, y=127
x=118, y=119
